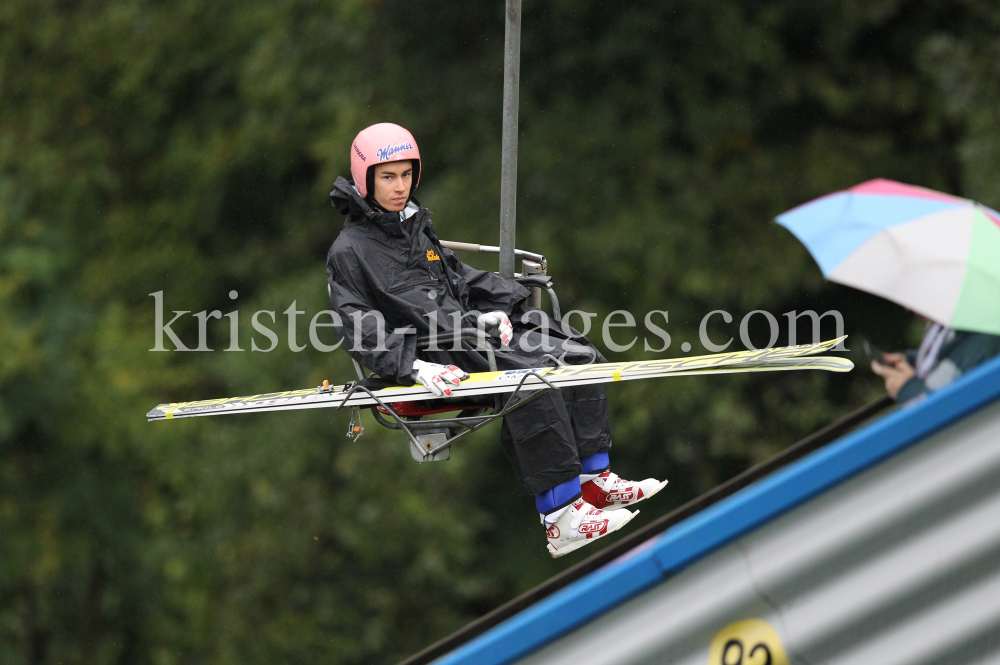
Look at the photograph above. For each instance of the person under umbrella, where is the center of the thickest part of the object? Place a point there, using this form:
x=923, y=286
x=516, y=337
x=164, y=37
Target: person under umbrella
x=935, y=254
x=944, y=355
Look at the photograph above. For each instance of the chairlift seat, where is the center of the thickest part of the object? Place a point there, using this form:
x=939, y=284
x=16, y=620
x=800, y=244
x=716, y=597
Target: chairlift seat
x=431, y=406
x=430, y=440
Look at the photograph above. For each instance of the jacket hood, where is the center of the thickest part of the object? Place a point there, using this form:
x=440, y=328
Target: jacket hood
x=346, y=198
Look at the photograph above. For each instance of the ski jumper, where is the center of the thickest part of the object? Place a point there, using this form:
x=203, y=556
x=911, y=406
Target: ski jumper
x=395, y=267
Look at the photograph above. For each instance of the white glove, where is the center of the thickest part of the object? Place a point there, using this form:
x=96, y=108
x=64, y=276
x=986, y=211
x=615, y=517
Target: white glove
x=497, y=322
x=439, y=379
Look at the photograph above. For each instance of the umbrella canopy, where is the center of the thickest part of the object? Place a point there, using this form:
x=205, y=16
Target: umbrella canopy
x=936, y=254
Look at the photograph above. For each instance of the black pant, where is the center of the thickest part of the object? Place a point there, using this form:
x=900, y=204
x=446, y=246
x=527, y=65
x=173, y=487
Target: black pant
x=545, y=438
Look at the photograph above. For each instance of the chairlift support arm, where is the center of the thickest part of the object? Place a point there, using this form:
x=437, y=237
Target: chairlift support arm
x=508, y=159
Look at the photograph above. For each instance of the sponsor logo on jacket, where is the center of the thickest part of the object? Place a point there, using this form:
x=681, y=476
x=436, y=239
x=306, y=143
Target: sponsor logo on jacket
x=432, y=255
x=387, y=153
x=359, y=153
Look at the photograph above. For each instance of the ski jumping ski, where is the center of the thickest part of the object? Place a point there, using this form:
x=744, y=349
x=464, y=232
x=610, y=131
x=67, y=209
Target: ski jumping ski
x=801, y=357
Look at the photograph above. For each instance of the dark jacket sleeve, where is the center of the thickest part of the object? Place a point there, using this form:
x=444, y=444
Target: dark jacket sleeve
x=967, y=351
x=488, y=291
x=362, y=327
x=914, y=388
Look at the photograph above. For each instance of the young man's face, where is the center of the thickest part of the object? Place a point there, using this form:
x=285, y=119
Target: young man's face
x=392, y=184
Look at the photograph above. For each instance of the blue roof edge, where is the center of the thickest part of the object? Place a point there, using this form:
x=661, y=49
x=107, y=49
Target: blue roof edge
x=731, y=518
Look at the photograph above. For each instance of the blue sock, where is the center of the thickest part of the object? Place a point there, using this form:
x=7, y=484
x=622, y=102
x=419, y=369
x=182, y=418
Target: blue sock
x=596, y=463
x=557, y=497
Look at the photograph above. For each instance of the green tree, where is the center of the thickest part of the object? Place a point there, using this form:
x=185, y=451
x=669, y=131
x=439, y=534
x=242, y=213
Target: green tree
x=187, y=148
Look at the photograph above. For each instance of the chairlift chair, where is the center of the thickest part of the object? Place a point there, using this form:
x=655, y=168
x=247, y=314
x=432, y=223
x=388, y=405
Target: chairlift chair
x=431, y=440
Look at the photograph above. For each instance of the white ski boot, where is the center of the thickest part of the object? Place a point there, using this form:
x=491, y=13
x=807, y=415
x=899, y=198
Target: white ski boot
x=609, y=492
x=581, y=524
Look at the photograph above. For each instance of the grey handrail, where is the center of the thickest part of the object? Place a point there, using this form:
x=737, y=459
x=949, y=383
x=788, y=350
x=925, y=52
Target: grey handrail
x=490, y=249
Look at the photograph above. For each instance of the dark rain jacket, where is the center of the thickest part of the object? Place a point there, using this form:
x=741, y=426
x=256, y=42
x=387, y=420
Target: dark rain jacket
x=961, y=352
x=381, y=267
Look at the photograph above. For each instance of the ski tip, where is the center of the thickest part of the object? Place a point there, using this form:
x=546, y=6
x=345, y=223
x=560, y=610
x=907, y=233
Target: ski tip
x=828, y=345
x=834, y=364
x=160, y=412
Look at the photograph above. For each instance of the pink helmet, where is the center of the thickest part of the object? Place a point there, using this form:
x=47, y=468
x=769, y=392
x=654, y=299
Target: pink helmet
x=378, y=144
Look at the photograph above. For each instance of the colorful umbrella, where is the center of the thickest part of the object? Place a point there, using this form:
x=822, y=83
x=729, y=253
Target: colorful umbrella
x=936, y=254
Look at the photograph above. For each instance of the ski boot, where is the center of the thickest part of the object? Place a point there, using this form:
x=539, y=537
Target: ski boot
x=609, y=492
x=581, y=524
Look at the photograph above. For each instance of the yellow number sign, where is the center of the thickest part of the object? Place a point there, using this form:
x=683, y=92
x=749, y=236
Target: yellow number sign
x=749, y=642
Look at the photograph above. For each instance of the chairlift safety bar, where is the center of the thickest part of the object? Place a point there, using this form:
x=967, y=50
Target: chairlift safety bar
x=490, y=249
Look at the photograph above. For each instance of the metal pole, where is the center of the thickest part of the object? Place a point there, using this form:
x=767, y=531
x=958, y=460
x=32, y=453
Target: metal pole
x=508, y=172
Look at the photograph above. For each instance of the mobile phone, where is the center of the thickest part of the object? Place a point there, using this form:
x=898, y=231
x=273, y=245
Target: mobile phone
x=874, y=353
